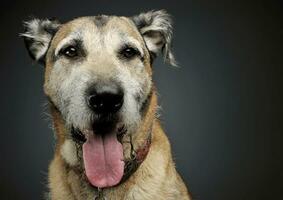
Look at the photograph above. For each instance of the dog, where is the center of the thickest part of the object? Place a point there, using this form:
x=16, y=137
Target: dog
x=98, y=82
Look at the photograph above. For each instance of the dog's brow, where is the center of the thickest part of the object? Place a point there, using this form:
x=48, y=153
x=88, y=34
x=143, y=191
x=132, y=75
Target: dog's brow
x=101, y=20
x=68, y=40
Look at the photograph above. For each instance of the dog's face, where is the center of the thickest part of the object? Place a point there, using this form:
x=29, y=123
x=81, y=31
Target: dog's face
x=98, y=69
x=98, y=73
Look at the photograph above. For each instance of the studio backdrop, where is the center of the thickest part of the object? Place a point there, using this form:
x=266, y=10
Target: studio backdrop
x=221, y=108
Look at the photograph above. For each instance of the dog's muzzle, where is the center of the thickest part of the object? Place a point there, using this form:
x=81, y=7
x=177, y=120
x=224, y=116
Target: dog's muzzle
x=102, y=146
x=105, y=102
x=102, y=151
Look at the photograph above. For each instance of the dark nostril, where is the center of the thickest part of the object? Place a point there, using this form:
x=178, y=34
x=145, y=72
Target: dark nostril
x=106, y=102
x=95, y=101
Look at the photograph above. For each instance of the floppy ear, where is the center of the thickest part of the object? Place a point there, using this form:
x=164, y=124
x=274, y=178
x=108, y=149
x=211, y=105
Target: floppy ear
x=156, y=29
x=38, y=35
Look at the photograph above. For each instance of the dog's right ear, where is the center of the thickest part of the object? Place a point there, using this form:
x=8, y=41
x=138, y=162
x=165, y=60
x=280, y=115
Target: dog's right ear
x=38, y=35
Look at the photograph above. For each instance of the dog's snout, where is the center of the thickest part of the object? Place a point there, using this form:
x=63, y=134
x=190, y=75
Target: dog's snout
x=105, y=101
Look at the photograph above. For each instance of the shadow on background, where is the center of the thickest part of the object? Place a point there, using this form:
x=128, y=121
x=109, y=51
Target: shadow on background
x=222, y=110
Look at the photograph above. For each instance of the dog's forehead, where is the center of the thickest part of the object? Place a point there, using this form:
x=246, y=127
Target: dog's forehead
x=94, y=29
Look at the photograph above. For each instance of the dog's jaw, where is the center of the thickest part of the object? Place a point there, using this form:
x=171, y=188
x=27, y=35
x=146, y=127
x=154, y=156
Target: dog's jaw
x=74, y=149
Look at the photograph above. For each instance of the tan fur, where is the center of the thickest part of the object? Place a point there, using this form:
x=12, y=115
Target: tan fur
x=156, y=178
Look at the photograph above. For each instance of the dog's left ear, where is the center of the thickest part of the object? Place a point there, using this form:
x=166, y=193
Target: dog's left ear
x=156, y=29
x=38, y=35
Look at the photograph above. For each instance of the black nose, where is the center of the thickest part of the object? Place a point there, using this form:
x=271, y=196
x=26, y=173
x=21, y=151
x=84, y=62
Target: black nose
x=105, y=102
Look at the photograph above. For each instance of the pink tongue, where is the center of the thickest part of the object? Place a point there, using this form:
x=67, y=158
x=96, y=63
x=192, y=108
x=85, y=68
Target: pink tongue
x=103, y=160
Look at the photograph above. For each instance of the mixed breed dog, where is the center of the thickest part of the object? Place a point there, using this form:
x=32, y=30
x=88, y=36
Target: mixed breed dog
x=98, y=81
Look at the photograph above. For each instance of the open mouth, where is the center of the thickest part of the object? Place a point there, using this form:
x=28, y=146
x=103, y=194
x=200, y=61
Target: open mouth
x=102, y=153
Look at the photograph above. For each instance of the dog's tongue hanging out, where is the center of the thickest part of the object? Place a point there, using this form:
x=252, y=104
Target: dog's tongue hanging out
x=103, y=160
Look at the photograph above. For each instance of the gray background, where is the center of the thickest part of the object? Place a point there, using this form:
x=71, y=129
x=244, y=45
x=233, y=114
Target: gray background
x=222, y=109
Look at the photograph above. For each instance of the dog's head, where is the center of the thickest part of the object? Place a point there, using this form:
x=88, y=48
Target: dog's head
x=98, y=70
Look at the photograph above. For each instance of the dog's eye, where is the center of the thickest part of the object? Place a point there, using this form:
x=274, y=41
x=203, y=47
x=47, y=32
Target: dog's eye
x=70, y=51
x=129, y=52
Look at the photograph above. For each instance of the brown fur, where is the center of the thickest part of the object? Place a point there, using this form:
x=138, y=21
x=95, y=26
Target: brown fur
x=156, y=178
